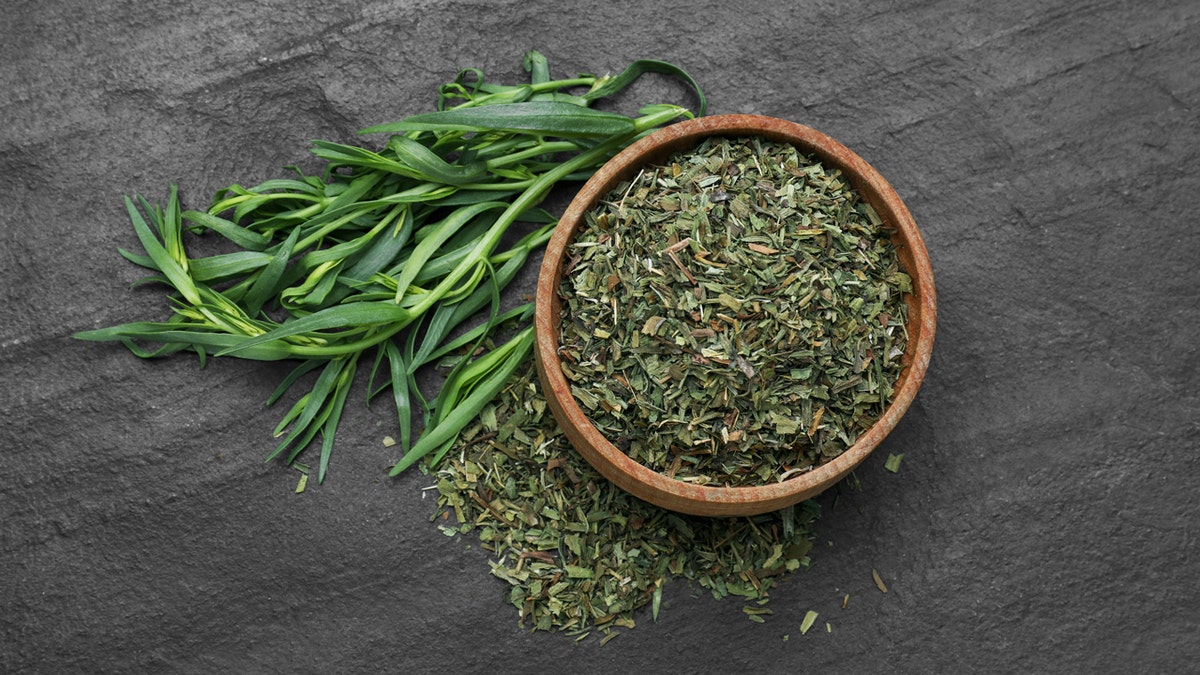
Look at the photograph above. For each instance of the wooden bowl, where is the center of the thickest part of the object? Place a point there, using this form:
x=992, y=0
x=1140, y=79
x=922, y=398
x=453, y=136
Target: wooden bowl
x=651, y=485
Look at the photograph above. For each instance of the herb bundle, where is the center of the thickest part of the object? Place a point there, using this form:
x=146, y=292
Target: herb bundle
x=386, y=261
x=578, y=553
x=734, y=316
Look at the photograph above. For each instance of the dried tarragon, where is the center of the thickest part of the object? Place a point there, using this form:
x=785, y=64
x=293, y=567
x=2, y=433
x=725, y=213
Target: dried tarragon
x=734, y=316
x=579, y=553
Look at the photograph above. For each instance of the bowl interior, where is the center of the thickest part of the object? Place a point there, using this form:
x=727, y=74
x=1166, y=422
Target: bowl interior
x=677, y=495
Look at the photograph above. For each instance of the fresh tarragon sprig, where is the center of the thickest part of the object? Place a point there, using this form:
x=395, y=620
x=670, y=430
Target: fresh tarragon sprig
x=387, y=253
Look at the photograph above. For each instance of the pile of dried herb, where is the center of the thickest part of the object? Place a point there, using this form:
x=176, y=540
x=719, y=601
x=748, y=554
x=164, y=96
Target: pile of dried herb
x=578, y=552
x=734, y=316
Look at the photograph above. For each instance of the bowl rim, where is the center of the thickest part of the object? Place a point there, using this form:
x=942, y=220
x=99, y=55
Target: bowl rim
x=677, y=495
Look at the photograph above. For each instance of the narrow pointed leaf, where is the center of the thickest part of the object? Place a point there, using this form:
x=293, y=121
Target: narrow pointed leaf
x=429, y=166
x=162, y=260
x=252, y=241
x=399, y=371
x=265, y=286
x=553, y=118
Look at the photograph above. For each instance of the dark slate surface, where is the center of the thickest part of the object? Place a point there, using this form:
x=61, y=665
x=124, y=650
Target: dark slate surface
x=1045, y=515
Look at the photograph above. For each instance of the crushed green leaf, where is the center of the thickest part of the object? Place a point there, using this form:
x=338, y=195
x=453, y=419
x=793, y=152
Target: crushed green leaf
x=809, y=618
x=893, y=462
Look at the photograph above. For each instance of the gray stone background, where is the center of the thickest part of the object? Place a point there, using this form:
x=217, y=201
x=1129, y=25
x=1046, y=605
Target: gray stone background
x=1044, y=517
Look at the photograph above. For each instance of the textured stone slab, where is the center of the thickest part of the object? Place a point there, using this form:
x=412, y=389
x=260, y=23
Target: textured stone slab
x=1044, y=516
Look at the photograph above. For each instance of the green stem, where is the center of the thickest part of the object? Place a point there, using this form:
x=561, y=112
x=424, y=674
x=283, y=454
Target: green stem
x=544, y=148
